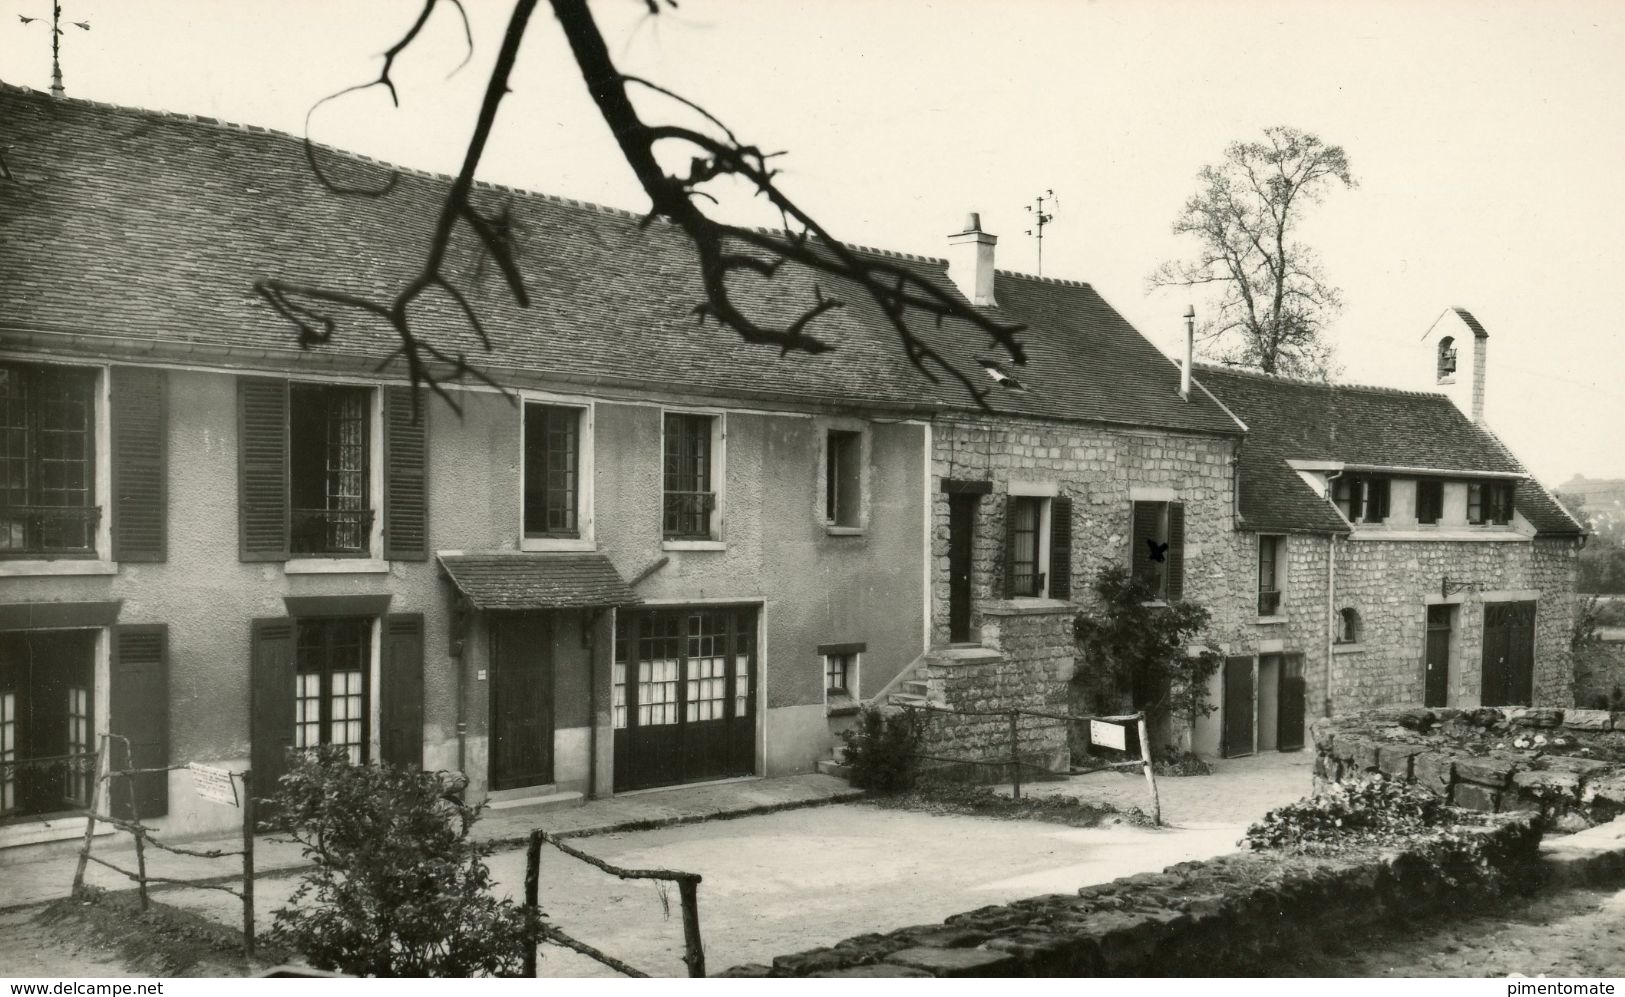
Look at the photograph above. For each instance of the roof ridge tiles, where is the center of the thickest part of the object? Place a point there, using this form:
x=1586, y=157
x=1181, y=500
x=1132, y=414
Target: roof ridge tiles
x=1060, y=281
x=1308, y=382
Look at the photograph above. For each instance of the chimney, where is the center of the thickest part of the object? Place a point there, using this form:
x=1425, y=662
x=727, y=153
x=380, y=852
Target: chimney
x=970, y=261
x=1190, y=352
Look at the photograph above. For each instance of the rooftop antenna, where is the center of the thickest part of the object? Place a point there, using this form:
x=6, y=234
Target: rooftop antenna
x=1041, y=218
x=56, y=45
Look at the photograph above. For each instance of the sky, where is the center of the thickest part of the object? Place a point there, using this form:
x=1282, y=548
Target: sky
x=1485, y=136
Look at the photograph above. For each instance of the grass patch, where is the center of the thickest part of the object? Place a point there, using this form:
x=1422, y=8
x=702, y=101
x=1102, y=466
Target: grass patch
x=934, y=796
x=161, y=941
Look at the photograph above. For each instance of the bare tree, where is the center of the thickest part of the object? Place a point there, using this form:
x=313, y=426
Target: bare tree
x=716, y=157
x=1274, y=303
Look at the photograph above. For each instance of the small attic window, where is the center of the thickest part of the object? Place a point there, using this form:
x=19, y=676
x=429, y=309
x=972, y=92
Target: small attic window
x=1001, y=376
x=1447, y=357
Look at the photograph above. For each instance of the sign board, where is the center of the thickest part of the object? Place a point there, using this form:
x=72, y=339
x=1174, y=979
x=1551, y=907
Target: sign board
x=214, y=784
x=1107, y=735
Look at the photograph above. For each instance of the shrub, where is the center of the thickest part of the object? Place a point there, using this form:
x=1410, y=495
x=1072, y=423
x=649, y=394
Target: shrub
x=1368, y=811
x=882, y=751
x=399, y=888
x=1172, y=762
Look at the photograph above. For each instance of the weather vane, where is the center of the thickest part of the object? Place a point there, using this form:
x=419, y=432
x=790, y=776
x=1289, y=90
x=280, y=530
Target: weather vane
x=1042, y=218
x=56, y=45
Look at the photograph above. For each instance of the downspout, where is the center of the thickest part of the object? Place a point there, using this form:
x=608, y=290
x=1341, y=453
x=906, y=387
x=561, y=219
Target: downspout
x=1331, y=602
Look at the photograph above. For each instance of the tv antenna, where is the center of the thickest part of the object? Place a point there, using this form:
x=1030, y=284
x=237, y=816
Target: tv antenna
x=1040, y=219
x=56, y=45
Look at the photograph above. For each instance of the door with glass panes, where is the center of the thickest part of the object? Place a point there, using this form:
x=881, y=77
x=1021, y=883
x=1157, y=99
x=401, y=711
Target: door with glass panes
x=684, y=696
x=46, y=721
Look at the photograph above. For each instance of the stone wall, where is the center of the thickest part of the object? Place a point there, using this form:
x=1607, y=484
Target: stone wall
x=1219, y=917
x=1599, y=673
x=1026, y=663
x=1566, y=765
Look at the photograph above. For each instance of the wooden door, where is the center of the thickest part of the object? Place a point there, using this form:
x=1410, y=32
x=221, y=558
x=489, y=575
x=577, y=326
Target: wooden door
x=1509, y=654
x=1292, y=706
x=1238, y=707
x=961, y=537
x=521, y=700
x=1436, y=656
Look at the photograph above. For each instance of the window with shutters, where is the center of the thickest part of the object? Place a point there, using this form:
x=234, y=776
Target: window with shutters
x=1490, y=502
x=48, y=489
x=1038, y=543
x=332, y=685
x=330, y=470
x=1027, y=545
x=1157, y=548
x=47, y=723
x=1361, y=498
x=691, y=477
x=557, y=477
x=1429, y=501
x=1271, y=574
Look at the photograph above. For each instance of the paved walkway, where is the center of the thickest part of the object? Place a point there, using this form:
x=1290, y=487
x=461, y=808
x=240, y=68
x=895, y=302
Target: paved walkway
x=1238, y=793
x=24, y=883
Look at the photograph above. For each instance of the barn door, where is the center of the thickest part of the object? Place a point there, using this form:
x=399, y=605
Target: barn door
x=1509, y=654
x=1290, y=715
x=1238, y=707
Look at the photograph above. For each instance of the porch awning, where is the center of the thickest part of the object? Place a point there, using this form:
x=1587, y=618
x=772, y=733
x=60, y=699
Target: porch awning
x=538, y=581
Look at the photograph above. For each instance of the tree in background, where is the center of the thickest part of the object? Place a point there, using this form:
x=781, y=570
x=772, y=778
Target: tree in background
x=1274, y=303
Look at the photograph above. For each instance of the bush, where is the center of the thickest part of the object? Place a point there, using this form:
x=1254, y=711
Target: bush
x=1368, y=811
x=399, y=889
x=1172, y=762
x=882, y=751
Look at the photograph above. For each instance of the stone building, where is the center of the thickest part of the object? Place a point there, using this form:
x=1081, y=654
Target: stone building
x=1397, y=552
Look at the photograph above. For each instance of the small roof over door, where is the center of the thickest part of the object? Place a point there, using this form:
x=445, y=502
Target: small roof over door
x=538, y=581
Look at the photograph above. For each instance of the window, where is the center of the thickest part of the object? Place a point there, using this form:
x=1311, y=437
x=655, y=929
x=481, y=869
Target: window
x=704, y=654
x=1271, y=574
x=1489, y=502
x=329, y=470
x=46, y=724
x=552, y=471
x=1157, y=548
x=1026, y=567
x=841, y=672
x=1348, y=631
x=47, y=461
x=690, y=498
x=843, y=478
x=1429, y=501
x=331, y=685
x=1362, y=498
x=1447, y=358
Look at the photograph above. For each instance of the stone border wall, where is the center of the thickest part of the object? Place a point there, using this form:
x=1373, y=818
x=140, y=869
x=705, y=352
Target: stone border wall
x=1193, y=919
x=1473, y=758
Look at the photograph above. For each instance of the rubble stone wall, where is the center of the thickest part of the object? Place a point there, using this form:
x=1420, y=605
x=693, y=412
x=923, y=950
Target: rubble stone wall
x=1566, y=765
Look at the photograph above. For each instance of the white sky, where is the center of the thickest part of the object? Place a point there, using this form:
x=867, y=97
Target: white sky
x=1485, y=136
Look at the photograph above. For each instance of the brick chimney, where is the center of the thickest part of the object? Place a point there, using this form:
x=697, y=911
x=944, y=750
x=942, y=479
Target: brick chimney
x=1457, y=354
x=970, y=261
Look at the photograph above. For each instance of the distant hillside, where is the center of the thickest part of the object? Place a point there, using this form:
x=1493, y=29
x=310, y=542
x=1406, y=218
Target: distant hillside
x=1600, y=504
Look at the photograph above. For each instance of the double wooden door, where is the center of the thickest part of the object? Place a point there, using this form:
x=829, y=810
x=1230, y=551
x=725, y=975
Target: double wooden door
x=1509, y=654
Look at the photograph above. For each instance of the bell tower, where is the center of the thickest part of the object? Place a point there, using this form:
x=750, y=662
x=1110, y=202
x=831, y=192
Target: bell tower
x=1455, y=349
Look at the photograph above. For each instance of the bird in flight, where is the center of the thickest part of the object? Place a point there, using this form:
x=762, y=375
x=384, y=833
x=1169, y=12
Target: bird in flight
x=1158, y=551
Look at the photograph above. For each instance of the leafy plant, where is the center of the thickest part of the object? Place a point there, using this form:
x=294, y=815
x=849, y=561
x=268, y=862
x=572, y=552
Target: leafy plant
x=399, y=888
x=883, y=750
x=1371, y=810
x=1171, y=761
x=1139, y=647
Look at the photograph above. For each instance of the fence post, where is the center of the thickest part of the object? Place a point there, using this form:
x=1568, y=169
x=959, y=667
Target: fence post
x=533, y=880
x=1150, y=776
x=1015, y=754
x=101, y=762
x=688, y=889
x=248, y=862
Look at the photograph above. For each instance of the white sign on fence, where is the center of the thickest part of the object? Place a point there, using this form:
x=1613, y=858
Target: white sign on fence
x=214, y=784
x=1107, y=735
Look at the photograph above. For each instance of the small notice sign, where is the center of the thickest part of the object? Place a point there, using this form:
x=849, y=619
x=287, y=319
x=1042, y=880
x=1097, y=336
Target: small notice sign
x=214, y=784
x=1107, y=735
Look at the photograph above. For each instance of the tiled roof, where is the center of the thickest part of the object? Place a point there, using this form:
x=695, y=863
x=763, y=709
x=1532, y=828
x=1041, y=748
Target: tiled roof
x=1471, y=323
x=1354, y=424
x=538, y=581
x=153, y=227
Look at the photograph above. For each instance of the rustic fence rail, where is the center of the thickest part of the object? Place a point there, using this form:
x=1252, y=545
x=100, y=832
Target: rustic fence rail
x=1011, y=759
x=144, y=836
x=688, y=891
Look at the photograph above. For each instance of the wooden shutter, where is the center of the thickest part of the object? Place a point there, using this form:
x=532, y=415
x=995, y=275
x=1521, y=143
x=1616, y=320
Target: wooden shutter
x=262, y=461
x=1176, y=551
x=1377, y=501
x=271, y=701
x=1060, y=547
x=406, y=496
x=1009, y=547
x=1145, y=525
x=401, y=694
x=138, y=709
x=138, y=421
